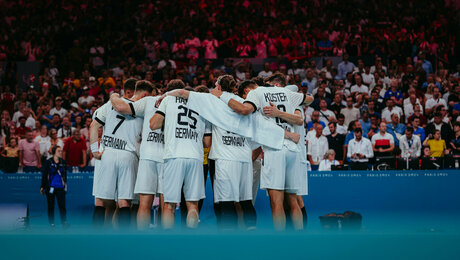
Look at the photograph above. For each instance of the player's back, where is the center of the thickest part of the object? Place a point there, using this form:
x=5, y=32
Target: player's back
x=183, y=129
x=121, y=132
x=152, y=144
x=230, y=146
x=284, y=99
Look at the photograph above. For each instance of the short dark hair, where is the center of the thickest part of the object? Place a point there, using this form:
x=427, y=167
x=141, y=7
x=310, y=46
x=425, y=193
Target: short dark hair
x=243, y=85
x=277, y=78
x=130, y=84
x=54, y=148
x=144, y=85
x=201, y=89
x=258, y=80
x=226, y=82
x=358, y=130
x=437, y=114
x=410, y=129
x=175, y=84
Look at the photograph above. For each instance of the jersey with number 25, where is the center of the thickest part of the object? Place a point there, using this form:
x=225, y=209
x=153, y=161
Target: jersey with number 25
x=183, y=129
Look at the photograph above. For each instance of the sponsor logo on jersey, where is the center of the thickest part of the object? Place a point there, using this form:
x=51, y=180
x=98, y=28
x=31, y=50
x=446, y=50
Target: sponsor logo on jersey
x=116, y=143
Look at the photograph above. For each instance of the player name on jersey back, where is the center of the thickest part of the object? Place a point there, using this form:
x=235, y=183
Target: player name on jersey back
x=113, y=142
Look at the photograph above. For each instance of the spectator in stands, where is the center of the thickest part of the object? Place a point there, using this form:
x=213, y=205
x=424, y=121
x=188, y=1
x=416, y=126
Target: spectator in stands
x=374, y=128
x=54, y=140
x=18, y=114
x=351, y=113
x=365, y=122
x=418, y=114
x=383, y=143
x=437, y=145
x=22, y=129
x=395, y=128
x=9, y=159
x=66, y=130
x=359, y=87
x=317, y=146
x=315, y=119
x=438, y=124
x=390, y=109
x=328, y=161
x=74, y=150
x=54, y=184
x=86, y=101
x=345, y=67
x=411, y=147
x=359, y=151
x=310, y=81
x=325, y=114
x=411, y=105
x=266, y=72
x=394, y=93
x=455, y=141
x=58, y=109
x=435, y=101
x=337, y=104
x=335, y=140
x=43, y=140
x=29, y=153
x=419, y=131
x=30, y=120
x=428, y=162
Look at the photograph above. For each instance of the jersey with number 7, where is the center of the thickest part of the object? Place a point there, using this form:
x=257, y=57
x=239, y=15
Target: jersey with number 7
x=121, y=132
x=183, y=129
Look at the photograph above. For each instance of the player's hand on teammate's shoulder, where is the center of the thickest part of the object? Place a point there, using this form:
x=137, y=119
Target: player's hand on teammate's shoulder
x=115, y=95
x=271, y=111
x=217, y=91
x=98, y=155
x=157, y=104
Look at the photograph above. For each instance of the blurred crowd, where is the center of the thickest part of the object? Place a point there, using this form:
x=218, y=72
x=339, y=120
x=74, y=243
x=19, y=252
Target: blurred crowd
x=400, y=103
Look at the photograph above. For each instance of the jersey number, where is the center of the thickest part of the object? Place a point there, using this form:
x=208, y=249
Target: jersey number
x=280, y=108
x=187, y=113
x=122, y=119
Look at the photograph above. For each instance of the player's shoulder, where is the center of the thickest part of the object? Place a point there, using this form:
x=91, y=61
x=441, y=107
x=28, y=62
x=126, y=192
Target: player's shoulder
x=237, y=98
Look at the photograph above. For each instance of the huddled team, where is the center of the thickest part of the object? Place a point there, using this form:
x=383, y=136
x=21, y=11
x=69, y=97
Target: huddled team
x=153, y=145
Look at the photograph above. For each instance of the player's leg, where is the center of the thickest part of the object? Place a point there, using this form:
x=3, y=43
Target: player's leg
x=192, y=214
x=304, y=211
x=99, y=213
x=276, y=203
x=126, y=167
x=146, y=187
x=226, y=185
x=245, y=195
x=296, y=213
x=193, y=190
x=292, y=188
x=173, y=179
x=145, y=208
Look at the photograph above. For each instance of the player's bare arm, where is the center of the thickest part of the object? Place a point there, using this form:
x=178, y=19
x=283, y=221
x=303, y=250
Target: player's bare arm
x=93, y=139
x=295, y=137
x=156, y=122
x=207, y=140
x=179, y=93
x=119, y=105
x=273, y=111
x=308, y=100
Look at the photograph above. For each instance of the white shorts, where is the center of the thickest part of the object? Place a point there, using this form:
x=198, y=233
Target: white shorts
x=147, y=177
x=117, y=175
x=303, y=179
x=233, y=181
x=279, y=170
x=183, y=173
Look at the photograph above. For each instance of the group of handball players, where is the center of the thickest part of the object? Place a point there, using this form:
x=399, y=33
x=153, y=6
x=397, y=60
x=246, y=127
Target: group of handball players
x=150, y=144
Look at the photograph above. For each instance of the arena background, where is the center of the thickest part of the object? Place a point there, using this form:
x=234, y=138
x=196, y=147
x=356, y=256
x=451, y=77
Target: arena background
x=405, y=214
